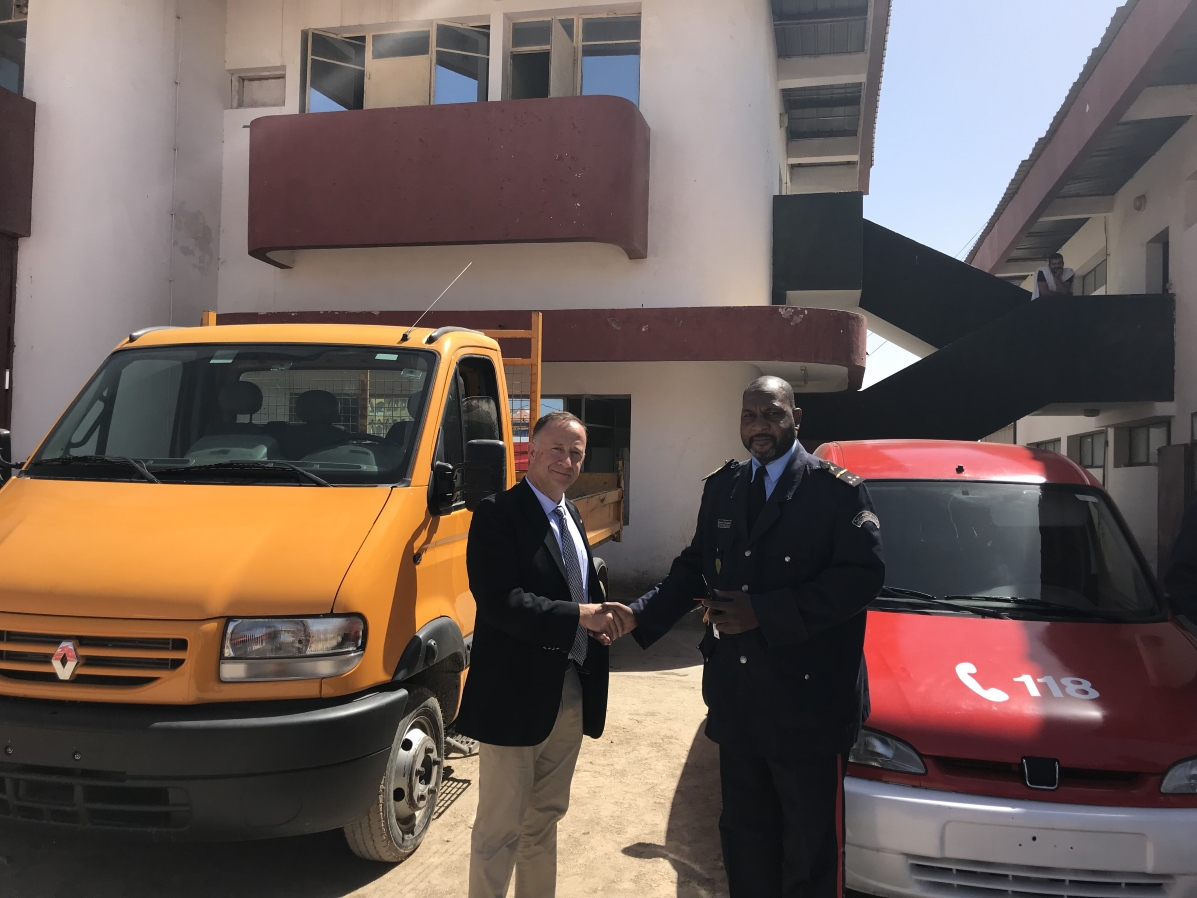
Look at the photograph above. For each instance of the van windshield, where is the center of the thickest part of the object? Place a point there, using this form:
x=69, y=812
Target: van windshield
x=287, y=414
x=1025, y=551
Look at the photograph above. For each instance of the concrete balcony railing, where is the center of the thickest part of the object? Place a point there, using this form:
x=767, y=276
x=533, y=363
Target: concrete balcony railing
x=567, y=169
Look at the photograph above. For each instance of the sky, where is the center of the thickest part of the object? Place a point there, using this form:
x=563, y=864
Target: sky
x=968, y=87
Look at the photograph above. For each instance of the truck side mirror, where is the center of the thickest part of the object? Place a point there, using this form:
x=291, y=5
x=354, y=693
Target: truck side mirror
x=485, y=470
x=5, y=454
x=444, y=489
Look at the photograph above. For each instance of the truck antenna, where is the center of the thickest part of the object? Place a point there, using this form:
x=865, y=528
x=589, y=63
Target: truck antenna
x=407, y=333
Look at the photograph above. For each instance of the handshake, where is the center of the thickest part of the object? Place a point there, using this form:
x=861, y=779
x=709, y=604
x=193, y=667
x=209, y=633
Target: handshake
x=607, y=621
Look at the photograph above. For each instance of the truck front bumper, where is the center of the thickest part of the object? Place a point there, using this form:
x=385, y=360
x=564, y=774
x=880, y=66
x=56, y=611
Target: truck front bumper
x=223, y=771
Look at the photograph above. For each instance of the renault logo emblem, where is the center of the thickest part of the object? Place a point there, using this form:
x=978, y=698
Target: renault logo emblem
x=66, y=660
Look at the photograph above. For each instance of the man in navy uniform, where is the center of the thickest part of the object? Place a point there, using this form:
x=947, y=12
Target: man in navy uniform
x=790, y=546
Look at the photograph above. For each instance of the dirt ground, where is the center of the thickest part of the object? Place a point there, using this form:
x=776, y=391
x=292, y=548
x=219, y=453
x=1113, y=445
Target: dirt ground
x=642, y=820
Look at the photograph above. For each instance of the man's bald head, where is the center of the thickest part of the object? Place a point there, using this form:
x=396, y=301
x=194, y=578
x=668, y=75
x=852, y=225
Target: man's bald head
x=774, y=386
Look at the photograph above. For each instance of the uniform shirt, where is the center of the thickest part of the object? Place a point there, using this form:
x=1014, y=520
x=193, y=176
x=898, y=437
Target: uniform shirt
x=773, y=470
x=550, y=507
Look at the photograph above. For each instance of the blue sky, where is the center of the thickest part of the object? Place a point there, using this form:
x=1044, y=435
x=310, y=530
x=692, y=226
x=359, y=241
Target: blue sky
x=969, y=86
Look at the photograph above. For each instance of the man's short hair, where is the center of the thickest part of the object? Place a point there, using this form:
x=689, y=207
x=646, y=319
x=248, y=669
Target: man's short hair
x=771, y=384
x=1055, y=256
x=556, y=418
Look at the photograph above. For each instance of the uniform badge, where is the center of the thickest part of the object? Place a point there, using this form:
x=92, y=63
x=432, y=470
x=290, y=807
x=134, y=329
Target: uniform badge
x=723, y=523
x=866, y=517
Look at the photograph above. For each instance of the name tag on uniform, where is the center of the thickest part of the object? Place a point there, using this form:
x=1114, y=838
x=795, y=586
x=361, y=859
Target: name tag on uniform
x=724, y=523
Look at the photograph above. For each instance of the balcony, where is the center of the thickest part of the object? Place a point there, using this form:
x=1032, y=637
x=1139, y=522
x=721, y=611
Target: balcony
x=566, y=169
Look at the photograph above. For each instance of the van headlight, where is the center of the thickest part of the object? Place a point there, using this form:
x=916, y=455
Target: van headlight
x=877, y=749
x=1181, y=779
x=291, y=648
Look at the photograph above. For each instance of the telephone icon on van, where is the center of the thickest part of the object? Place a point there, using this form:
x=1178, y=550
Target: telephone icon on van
x=965, y=671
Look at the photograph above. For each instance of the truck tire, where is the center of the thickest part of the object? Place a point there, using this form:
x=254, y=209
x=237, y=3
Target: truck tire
x=402, y=812
x=600, y=568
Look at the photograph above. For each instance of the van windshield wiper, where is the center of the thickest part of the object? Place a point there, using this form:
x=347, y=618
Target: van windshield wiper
x=1049, y=606
x=898, y=592
x=275, y=466
x=102, y=460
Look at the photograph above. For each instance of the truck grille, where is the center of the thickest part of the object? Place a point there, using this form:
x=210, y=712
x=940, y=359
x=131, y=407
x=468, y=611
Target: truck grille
x=92, y=801
x=977, y=879
x=104, y=660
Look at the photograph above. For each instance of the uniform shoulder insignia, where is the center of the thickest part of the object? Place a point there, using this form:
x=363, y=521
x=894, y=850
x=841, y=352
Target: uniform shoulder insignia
x=730, y=465
x=842, y=474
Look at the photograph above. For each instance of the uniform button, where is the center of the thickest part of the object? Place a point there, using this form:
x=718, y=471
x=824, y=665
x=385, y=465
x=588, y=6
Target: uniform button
x=747, y=552
x=807, y=677
x=744, y=588
x=787, y=559
x=743, y=659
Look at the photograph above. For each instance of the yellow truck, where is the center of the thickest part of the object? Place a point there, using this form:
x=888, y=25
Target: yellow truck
x=234, y=599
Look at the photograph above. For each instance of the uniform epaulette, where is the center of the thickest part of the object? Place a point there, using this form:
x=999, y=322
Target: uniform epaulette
x=730, y=465
x=841, y=473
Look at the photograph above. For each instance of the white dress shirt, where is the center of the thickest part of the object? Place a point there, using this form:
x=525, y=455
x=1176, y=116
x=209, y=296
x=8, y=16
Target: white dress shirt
x=579, y=543
x=774, y=470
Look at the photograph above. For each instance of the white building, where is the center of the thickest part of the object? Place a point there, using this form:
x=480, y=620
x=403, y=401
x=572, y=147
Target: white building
x=614, y=164
x=1112, y=186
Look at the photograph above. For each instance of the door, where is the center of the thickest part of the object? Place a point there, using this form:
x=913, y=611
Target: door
x=398, y=69
x=8, y=308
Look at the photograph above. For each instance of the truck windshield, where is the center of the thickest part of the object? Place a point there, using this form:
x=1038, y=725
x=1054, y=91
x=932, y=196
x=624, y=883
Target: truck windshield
x=1024, y=551
x=243, y=413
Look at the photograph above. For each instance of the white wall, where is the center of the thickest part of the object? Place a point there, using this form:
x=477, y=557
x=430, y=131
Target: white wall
x=106, y=255
x=708, y=92
x=685, y=424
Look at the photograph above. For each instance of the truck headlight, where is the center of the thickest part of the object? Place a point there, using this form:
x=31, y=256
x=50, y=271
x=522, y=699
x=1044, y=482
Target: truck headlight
x=877, y=749
x=291, y=648
x=1181, y=779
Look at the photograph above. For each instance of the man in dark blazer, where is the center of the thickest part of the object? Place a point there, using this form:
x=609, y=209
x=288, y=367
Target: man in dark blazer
x=538, y=671
x=790, y=547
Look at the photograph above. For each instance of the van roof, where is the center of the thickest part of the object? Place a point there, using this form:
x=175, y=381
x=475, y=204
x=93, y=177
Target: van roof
x=943, y=460
x=339, y=334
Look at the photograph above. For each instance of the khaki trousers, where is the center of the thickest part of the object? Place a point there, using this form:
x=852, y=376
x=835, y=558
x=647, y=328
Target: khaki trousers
x=522, y=792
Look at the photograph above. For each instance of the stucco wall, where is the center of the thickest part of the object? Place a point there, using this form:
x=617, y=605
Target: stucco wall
x=107, y=255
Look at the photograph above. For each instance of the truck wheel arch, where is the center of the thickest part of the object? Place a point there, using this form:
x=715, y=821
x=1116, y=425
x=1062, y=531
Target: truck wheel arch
x=435, y=657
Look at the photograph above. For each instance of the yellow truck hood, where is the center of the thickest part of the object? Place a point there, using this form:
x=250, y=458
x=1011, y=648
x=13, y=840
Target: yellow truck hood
x=178, y=551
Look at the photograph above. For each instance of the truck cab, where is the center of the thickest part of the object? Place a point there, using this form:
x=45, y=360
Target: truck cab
x=235, y=601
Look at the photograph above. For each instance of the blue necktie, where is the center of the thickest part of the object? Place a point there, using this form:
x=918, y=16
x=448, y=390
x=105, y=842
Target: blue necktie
x=573, y=576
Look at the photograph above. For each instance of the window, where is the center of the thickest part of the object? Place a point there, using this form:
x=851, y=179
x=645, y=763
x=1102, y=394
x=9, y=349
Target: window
x=1046, y=445
x=258, y=89
x=575, y=56
x=1091, y=453
x=471, y=410
x=446, y=63
x=1094, y=279
x=12, y=44
x=1143, y=443
x=1159, y=277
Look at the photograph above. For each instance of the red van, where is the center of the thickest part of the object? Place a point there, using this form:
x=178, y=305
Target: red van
x=1034, y=703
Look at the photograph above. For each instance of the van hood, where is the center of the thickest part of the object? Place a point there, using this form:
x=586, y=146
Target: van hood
x=178, y=551
x=952, y=688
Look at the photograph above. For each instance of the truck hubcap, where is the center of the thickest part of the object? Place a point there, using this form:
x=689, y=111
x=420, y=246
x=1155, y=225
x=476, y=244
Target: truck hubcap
x=417, y=772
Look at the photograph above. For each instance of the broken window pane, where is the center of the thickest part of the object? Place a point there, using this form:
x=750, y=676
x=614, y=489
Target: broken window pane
x=403, y=43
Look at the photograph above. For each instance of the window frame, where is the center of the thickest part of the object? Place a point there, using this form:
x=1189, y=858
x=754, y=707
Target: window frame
x=578, y=21
x=1132, y=429
x=1053, y=445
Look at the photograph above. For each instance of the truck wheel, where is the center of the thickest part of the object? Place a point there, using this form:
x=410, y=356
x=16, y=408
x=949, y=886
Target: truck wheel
x=399, y=817
x=600, y=568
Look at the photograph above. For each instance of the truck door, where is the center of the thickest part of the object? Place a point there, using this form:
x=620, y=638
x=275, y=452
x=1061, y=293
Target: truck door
x=471, y=412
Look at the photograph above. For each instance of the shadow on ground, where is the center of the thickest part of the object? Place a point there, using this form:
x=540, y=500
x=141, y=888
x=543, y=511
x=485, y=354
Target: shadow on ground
x=36, y=862
x=676, y=650
x=692, y=834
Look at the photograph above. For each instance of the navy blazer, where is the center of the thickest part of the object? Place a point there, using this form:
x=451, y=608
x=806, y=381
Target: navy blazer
x=525, y=626
x=795, y=686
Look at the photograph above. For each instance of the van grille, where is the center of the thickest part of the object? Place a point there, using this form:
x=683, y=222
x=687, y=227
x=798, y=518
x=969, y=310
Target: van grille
x=944, y=878
x=104, y=660
x=1074, y=777
x=90, y=800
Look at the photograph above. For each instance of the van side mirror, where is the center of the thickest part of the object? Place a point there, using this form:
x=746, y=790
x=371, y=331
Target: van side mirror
x=5, y=454
x=444, y=489
x=485, y=470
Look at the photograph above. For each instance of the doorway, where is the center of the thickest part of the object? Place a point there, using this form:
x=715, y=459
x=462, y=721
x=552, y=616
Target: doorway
x=8, y=308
